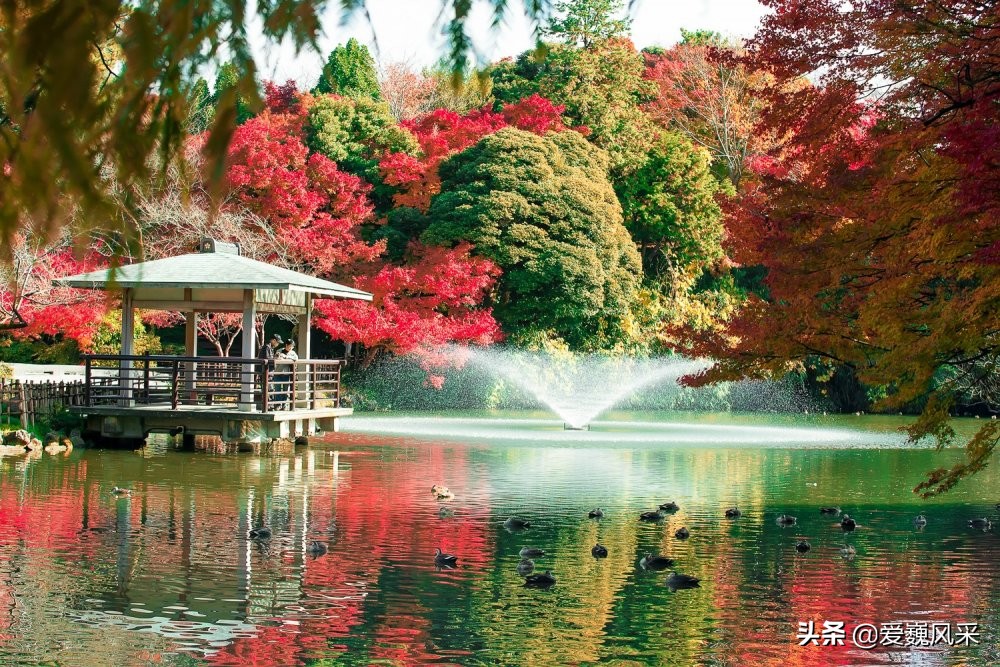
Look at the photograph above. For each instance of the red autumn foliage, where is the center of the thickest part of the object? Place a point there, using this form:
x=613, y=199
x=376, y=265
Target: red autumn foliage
x=443, y=132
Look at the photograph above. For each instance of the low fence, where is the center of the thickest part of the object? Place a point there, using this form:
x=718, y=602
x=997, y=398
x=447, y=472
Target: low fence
x=174, y=382
x=28, y=402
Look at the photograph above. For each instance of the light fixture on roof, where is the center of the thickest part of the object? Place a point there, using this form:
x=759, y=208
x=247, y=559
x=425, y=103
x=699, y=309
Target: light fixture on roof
x=208, y=244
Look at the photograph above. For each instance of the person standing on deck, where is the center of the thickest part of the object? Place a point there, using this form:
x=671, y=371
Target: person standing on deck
x=284, y=378
x=266, y=352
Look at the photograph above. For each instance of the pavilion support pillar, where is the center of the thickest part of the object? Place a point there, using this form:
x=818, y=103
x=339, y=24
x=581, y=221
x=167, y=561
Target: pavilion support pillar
x=128, y=349
x=248, y=376
x=190, y=349
x=303, y=384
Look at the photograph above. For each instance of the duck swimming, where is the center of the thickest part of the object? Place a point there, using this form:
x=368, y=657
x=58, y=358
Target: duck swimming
x=670, y=507
x=786, y=520
x=316, y=548
x=543, y=580
x=525, y=567
x=651, y=562
x=596, y=513
x=676, y=581
x=847, y=552
x=442, y=559
x=920, y=521
x=682, y=533
x=982, y=524
x=847, y=524
x=655, y=515
x=599, y=551
x=803, y=546
x=829, y=510
x=531, y=552
x=733, y=513
x=262, y=533
x=121, y=493
x=446, y=512
x=516, y=523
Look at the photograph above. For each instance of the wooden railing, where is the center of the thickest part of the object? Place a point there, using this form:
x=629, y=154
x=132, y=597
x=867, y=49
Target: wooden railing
x=226, y=382
x=27, y=402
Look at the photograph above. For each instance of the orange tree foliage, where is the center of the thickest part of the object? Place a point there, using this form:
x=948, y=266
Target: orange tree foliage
x=877, y=219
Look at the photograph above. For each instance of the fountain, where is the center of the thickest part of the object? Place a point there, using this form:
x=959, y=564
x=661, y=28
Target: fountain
x=578, y=388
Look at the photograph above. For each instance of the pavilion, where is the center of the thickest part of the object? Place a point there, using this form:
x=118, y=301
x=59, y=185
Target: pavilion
x=127, y=396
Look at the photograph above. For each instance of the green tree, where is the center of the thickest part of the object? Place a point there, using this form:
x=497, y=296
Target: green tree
x=355, y=133
x=543, y=209
x=671, y=210
x=602, y=88
x=350, y=72
x=201, y=110
x=586, y=22
x=227, y=82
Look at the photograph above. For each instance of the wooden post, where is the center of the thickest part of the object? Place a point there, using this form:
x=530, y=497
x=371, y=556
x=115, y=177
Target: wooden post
x=191, y=349
x=247, y=371
x=301, y=394
x=174, y=384
x=128, y=348
x=86, y=381
x=145, y=378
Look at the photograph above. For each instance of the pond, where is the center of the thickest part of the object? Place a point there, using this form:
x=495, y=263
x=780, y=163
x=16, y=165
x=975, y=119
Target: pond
x=168, y=575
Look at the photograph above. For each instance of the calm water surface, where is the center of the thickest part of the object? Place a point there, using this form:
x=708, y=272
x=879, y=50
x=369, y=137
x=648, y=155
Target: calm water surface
x=169, y=577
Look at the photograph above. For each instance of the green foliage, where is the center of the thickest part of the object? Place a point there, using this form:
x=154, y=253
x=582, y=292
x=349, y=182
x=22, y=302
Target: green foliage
x=356, y=133
x=403, y=224
x=543, y=209
x=61, y=420
x=108, y=337
x=702, y=37
x=585, y=22
x=6, y=372
x=201, y=109
x=43, y=350
x=602, y=89
x=228, y=83
x=350, y=72
x=671, y=209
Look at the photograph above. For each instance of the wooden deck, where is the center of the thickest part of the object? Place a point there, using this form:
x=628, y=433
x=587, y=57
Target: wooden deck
x=220, y=411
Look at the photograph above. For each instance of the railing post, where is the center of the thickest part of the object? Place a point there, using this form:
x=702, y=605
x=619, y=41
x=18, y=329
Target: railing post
x=312, y=385
x=174, y=385
x=86, y=381
x=292, y=396
x=145, y=378
x=336, y=385
x=264, y=389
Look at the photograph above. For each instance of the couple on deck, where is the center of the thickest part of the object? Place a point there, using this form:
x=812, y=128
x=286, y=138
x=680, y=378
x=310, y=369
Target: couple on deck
x=277, y=350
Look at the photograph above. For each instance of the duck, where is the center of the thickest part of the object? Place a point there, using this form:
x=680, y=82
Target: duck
x=982, y=524
x=316, y=548
x=920, y=521
x=733, y=513
x=446, y=512
x=525, y=567
x=438, y=488
x=847, y=524
x=803, y=546
x=531, y=552
x=442, y=559
x=516, y=523
x=676, y=581
x=682, y=533
x=599, y=551
x=670, y=507
x=120, y=492
x=596, y=513
x=786, y=520
x=829, y=510
x=262, y=533
x=443, y=493
x=651, y=562
x=655, y=515
x=847, y=551
x=544, y=580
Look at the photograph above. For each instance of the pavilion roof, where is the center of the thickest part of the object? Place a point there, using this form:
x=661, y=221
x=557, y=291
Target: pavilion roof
x=202, y=270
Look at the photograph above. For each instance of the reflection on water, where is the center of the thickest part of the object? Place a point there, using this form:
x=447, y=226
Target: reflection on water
x=168, y=575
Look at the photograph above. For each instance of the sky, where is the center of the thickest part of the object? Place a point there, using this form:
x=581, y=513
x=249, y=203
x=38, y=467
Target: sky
x=407, y=31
